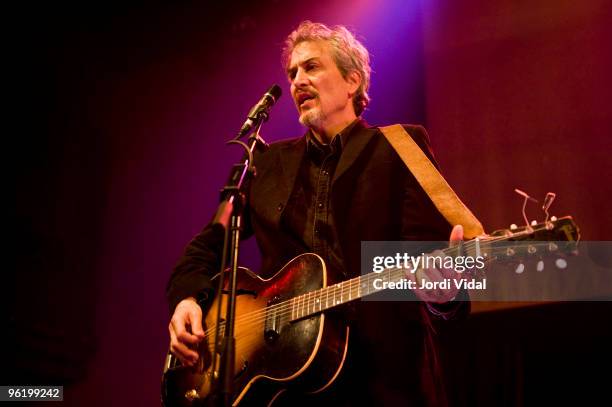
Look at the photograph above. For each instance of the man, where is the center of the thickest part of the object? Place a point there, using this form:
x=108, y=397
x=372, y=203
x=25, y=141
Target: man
x=340, y=184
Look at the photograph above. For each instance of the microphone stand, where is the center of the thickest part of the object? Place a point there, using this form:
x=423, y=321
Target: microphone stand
x=229, y=216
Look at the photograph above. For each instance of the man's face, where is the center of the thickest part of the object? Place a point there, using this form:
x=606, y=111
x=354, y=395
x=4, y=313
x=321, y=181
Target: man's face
x=322, y=96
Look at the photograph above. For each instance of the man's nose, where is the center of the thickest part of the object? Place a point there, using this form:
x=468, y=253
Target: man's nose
x=300, y=79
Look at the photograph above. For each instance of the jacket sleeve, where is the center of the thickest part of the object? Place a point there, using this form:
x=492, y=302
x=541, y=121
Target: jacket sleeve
x=200, y=262
x=423, y=222
x=193, y=272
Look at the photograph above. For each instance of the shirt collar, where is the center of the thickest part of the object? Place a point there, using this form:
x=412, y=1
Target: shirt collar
x=314, y=146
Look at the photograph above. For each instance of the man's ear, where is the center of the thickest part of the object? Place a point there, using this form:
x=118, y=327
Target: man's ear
x=354, y=81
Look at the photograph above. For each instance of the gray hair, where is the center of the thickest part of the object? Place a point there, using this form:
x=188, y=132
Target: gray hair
x=348, y=53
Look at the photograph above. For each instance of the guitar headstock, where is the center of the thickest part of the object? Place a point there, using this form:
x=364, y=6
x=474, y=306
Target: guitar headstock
x=554, y=237
x=552, y=229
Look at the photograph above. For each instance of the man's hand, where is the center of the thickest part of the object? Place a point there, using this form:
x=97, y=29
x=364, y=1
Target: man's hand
x=438, y=295
x=186, y=331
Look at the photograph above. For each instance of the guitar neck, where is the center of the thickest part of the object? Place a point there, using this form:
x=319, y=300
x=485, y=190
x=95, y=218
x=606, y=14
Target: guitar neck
x=501, y=244
x=314, y=302
x=344, y=292
x=320, y=300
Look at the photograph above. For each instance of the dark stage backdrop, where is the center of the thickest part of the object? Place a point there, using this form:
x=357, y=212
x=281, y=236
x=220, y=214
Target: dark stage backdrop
x=123, y=110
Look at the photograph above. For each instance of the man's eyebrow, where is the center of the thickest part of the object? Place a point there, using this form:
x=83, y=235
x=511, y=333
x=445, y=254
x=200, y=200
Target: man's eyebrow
x=292, y=68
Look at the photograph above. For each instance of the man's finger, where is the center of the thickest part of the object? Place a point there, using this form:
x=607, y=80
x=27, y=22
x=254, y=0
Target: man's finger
x=187, y=337
x=195, y=317
x=432, y=274
x=186, y=355
x=179, y=324
x=456, y=234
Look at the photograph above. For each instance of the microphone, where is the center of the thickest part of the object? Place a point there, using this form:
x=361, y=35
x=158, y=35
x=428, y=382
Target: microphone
x=261, y=109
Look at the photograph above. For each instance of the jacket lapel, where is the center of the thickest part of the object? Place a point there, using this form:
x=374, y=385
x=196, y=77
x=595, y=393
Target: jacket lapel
x=290, y=157
x=358, y=139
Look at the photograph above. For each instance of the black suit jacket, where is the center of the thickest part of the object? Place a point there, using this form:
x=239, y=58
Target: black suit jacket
x=373, y=197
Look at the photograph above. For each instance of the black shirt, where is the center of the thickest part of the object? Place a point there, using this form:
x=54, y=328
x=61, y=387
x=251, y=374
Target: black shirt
x=308, y=216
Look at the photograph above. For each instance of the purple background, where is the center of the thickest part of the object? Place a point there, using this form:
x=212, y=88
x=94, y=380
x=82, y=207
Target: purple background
x=123, y=114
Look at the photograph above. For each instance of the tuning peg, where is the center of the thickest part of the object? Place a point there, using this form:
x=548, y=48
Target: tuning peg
x=548, y=200
x=520, y=268
x=527, y=198
x=540, y=265
x=561, y=263
x=525, y=195
x=513, y=226
x=534, y=222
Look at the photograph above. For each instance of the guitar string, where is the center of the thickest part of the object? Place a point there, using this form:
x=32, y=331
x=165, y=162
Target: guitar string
x=251, y=335
x=286, y=302
x=305, y=306
x=467, y=245
x=305, y=303
x=309, y=307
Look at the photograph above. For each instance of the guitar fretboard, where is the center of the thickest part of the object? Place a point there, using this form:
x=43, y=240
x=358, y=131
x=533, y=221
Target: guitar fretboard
x=335, y=295
x=350, y=290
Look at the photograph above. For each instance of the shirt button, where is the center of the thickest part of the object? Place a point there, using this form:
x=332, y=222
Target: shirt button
x=279, y=207
x=320, y=205
x=325, y=172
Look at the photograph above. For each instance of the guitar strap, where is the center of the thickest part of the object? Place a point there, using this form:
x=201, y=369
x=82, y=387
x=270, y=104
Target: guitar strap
x=441, y=194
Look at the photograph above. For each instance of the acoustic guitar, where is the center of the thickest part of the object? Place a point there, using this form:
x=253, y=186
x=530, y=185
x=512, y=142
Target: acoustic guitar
x=287, y=340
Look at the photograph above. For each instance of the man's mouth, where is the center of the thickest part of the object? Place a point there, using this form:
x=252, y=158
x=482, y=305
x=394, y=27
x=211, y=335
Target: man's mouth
x=303, y=98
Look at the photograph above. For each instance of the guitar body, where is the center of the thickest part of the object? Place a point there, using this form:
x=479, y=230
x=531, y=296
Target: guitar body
x=275, y=349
